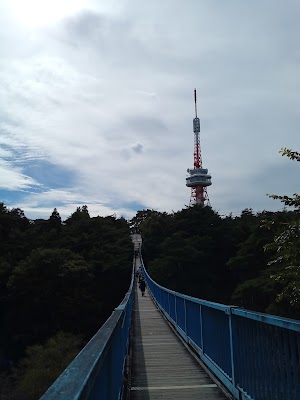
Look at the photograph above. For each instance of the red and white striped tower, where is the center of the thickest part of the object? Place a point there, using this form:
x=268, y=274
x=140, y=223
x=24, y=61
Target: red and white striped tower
x=198, y=178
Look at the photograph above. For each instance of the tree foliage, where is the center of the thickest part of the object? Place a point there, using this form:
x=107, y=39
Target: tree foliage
x=43, y=363
x=187, y=250
x=56, y=277
x=286, y=260
x=196, y=252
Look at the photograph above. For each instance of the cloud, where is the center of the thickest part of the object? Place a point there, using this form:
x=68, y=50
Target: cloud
x=98, y=107
x=138, y=148
x=40, y=205
x=12, y=178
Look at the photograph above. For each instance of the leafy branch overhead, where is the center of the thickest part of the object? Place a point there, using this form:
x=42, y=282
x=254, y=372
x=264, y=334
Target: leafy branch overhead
x=293, y=155
x=295, y=200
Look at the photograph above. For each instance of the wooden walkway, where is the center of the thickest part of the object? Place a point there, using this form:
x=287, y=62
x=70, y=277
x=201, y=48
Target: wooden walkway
x=162, y=368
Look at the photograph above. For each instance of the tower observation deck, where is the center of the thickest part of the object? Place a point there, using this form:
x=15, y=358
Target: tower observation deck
x=198, y=178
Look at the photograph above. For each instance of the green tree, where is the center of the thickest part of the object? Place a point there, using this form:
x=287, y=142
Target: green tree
x=80, y=214
x=55, y=219
x=140, y=217
x=51, y=289
x=42, y=364
x=254, y=288
x=56, y=276
x=187, y=251
x=287, y=256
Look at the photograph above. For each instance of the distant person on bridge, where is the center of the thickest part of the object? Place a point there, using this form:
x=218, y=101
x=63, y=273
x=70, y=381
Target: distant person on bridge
x=142, y=286
x=138, y=272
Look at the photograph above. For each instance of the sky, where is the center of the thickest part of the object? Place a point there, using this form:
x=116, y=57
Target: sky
x=96, y=103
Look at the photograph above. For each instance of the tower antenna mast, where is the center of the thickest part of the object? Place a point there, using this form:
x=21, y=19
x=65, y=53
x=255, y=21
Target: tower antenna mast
x=198, y=178
x=195, y=98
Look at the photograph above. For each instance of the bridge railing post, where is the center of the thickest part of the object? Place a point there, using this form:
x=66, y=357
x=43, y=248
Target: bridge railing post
x=185, y=319
x=175, y=298
x=201, y=330
x=231, y=340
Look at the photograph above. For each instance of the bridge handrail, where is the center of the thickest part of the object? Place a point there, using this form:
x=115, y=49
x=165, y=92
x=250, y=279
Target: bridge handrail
x=98, y=370
x=255, y=355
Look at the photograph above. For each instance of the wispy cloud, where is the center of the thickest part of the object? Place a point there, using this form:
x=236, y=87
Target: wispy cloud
x=12, y=178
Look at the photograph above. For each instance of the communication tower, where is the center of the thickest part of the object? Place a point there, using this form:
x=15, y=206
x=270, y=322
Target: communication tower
x=198, y=178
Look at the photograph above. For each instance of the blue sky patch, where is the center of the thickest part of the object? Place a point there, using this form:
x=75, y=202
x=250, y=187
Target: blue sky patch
x=11, y=196
x=49, y=175
x=133, y=205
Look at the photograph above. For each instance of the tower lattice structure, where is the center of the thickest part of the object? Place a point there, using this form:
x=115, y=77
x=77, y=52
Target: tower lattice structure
x=198, y=178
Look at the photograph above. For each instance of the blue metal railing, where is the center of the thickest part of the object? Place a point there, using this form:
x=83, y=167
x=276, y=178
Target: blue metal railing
x=97, y=371
x=256, y=356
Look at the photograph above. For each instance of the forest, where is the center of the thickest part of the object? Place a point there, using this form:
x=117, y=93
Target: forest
x=60, y=280
x=227, y=260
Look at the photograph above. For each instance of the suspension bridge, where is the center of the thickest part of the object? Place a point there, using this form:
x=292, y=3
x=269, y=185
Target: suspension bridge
x=167, y=345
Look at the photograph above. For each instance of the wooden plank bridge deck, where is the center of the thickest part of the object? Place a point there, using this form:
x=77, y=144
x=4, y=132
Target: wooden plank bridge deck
x=162, y=368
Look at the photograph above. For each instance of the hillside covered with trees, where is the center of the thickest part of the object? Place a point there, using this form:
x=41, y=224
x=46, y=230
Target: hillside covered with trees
x=227, y=260
x=59, y=282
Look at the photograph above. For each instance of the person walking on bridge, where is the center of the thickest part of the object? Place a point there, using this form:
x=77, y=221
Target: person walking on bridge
x=142, y=286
